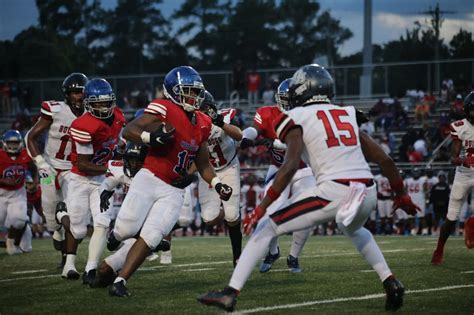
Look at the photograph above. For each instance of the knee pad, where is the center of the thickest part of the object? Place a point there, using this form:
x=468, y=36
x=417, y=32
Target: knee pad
x=153, y=240
x=184, y=222
x=79, y=232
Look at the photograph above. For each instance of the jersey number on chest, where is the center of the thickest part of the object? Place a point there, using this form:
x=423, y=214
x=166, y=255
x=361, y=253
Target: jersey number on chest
x=334, y=137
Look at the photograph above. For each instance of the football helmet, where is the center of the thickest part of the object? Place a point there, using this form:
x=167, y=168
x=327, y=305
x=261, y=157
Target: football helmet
x=281, y=96
x=75, y=82
x=12, y=141
x=469, y=106
x=208, y=105
x=416, y=173
x=99, y=98
x=183, y=86
x=310, y=84
x=133, y=158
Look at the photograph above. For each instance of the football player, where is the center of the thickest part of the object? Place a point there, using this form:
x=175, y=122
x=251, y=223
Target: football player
x=384, y=203
x=416, y=186
x=222, y=146
x=462, y=133
x=94, y=136
x=54, y=164
x=14, y=164
x=327, y=137
x=35, y=211
x=177, y=137
x=303, y=178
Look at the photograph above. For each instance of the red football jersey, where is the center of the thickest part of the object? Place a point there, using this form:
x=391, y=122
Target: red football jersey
x=14, y=168
x=168, y=161
x=88, y=129
x=34, y=199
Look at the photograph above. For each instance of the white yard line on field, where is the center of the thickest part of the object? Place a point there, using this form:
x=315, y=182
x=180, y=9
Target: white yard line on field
x=469, y=271
x=368, y=270
x=200, y=269
x=28, y=271
x=352, y=298
x=31, y=278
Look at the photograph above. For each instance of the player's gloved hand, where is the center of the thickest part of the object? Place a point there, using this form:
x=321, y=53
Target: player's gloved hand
x=161, y=136
x=105, y=200
x=218, y=120
x=183, y=181
x=224, y=191
x=405, y=203
x=265, y=142
x=246, y=143
x=252, y=219
x=469, y=161
x=41, y=164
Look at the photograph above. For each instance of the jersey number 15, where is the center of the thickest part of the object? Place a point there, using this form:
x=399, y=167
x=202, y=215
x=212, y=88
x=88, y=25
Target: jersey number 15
x=334, y=140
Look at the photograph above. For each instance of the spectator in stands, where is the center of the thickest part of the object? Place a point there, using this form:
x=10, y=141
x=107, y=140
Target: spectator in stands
x=26, y=99
x=368, y=127
x=414, y=156
x=421, y=111
x=378, y=112
x=430, y=99
x=14, y=97
x=5, y=94
x=420, y=144
x=253, y=86
x=457, y=108
x=400, y=117
x=444, y=95
x=407, y=140
x=22, y=123
x=268, y=96
x=239, y=77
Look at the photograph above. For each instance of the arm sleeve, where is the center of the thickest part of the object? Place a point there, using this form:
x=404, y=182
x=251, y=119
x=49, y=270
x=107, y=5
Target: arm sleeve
x=282, y=125
x=46, y=111
x=158, y=109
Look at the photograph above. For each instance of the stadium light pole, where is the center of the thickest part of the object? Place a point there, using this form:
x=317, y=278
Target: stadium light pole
x=366, y=78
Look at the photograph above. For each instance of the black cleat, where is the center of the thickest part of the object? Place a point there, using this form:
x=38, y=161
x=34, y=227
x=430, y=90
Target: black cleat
x=60, y=207
x=112, y=242
x=119, y=289
x=164, y=246
x=395, y=291
x=225, y=299
x=268, y=261
x=293, y=264
x=89, y=277
x=58, y=245
x=105, y=276
x=71, y=275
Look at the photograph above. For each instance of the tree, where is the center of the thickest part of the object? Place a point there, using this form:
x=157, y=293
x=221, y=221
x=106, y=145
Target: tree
x=201, y=22
x=462, y=45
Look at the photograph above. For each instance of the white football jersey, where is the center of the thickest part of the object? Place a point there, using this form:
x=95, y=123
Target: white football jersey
x=221, y=147
x=58, y=145
x=431, y=181
x=383, y=185
x=115, y=176
x=331, y=137
x=464, y=131
x=415, y=188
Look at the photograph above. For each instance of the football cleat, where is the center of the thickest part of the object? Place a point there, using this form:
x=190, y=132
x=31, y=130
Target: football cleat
x=268, y=261
x=437, y=258
x=164, y=246
x=166, y=258
x=12, y=249
x=88, y=277
x=225, y=299
x=394, y=293
x=293, y=264
x=112, y=242
x=70, y=274
x=469, y=233
x=105, y=276
x=60, y=208
x=119, y=289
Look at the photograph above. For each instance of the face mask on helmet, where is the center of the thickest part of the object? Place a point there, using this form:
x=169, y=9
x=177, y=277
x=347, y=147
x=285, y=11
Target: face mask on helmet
x=73, y=87
x=99, y=99
x=184, y=87
x=12, y=142
x=132, y=165
x=208, y=105
x=133, y=158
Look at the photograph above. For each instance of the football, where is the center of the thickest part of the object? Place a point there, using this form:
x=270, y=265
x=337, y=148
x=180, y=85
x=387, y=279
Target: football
x=157, y=125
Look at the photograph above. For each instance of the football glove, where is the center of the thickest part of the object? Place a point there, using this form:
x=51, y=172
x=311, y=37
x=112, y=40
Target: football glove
x=161, y=136
x=41, y=164
x=405, y=203
x=252, y=219
x=218, y=120
x=265, y=142
x=224, y=191
x=183, y=181
x=105, y=200
x=246, y=143
x=469, y=161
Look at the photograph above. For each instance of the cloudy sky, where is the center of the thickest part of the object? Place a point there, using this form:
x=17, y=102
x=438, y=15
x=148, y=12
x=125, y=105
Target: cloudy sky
x=390, y=17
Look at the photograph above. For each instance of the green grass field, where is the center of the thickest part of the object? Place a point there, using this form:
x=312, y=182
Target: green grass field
x=335, y=280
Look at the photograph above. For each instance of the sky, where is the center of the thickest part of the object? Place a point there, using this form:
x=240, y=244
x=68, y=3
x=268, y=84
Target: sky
x=390, y=17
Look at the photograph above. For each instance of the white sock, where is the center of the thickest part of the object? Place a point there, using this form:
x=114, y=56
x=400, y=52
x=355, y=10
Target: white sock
x=253, y=252
x=96, y=247
x=59, y=235
x=273, y=247
x=117, y=259
x=118, y=279
x=299, y=239
x=70, y=262
x=366, y=245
